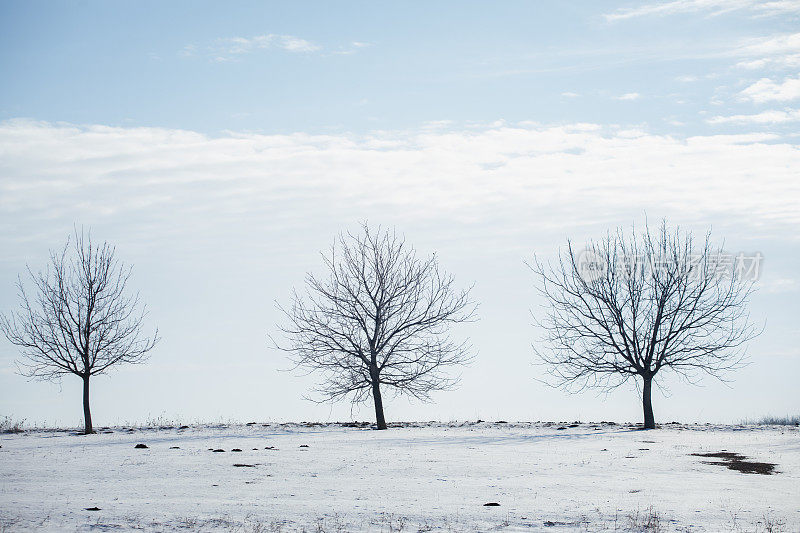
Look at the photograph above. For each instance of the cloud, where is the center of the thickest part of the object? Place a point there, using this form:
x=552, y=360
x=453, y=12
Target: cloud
x=766, y=117
x=629, y=96
x=779, y=286
x=233, y=48
x=570, y=94
x=776, y=52
x=782, y=61
x=352, y=48
x=775, y=44
x=188, y=51
x=296, y=44
x=766, y=90
x=163, y=182
x=758, y=8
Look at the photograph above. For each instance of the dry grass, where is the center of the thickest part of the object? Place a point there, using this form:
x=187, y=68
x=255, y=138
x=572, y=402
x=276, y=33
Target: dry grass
x=10, y=425
x=774, y=421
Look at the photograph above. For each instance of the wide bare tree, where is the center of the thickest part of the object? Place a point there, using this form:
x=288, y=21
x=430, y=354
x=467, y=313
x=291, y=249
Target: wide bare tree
x=631, y=305
x=379, y=319
x=80, y=319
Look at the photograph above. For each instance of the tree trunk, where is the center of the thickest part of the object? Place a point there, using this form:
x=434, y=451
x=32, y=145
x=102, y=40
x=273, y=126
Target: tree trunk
x=647, y=403
x=376, y=396
x=87, y=413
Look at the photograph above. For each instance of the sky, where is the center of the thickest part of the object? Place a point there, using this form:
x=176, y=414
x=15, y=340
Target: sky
x=222, y=146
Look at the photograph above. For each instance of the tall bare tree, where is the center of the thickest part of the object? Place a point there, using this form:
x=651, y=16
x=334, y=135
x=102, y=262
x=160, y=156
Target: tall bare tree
x=380, y=319
x=81, y=320
x=630, y=306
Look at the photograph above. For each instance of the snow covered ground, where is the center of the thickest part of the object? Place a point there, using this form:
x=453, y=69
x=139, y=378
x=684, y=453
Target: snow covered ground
x=419, y=477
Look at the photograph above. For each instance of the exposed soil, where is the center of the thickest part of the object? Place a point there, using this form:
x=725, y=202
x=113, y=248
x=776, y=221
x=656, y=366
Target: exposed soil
x=736, y=461
x=728, y=456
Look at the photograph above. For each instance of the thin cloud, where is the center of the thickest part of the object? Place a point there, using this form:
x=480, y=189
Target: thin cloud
x=188, y=51
x=766, y=90
x=296, y=44
x=234, y=48
x=757, y=8
x=778, y=62
x=775, y=52
x=629, y=96
x=766, y=117
x=181, y=180
x=780, y=286
x=352, y=48
x=775, y=44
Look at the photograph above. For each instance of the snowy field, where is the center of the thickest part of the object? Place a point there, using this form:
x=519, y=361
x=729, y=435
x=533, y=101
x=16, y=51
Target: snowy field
x=419, y=477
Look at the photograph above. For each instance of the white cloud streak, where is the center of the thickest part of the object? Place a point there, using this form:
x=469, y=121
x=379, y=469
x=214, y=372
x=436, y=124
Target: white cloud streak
x=231, y=49
x=775, y=52
x=758, y=8
x=352, y=48
x=766, y=90
x=234, y=48
x=569, y=175
x=766, y=117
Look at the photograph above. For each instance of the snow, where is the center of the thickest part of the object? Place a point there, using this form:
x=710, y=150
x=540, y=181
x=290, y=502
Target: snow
x=417, y=477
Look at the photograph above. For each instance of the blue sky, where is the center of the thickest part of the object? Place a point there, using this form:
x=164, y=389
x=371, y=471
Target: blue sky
x=366, y=66
x=221, y=146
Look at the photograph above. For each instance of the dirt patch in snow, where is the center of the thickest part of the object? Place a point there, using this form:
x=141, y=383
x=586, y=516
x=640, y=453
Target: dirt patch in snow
x=736, y=461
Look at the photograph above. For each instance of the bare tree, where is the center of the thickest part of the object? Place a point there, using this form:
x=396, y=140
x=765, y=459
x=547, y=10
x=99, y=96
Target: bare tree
x=81, y=320
x=629, y=306
x=380, y=319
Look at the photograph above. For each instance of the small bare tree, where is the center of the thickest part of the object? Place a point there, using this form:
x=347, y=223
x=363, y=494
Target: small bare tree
x=81, y=320
x=380, y=319
x=629, y=306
